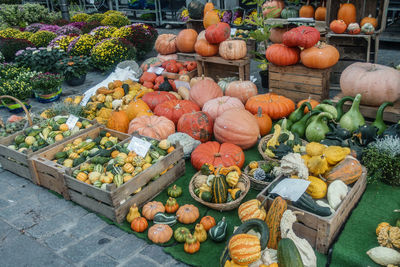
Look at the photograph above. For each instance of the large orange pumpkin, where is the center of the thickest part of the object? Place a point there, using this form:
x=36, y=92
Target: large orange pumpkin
x=306, y=11
x=174, y=109
x=244, y=248
x=204, y=90
x=210, y=18
x=185, y=40
x=198, y=125
x=216, y=106
x=320, y=12
x=160, y=233
x=371, y=20
x=241, y=89
x=264, y=122
x=166, y=44
x=205, y=49
x=274, y=7
x=153, y=99
x=152, y=126
x=233, y=49
x=218, y=33
x=347, y=12
x=275, y=106
x=217, y=154
x=136, y=106
x=237, y=126
x=281, y=55
x=321, y=56
x=118, y=121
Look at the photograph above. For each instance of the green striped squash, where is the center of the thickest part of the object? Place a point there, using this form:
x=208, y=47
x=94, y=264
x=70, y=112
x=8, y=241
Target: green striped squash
x=219, y=189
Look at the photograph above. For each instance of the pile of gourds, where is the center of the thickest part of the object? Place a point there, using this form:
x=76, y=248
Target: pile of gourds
x=15, y=124
x=262, y=171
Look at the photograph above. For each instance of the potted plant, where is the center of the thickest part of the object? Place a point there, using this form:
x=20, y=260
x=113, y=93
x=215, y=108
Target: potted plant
x=74, y=69
x=47, y=87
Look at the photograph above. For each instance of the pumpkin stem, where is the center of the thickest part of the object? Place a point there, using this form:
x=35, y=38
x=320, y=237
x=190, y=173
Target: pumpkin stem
x=298, y=213
x=396, y=211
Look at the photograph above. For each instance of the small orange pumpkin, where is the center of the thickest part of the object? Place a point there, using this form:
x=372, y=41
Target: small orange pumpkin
x=151, y=208
x=172, y=205
x=264, y=122
x=188, y=214
x=347, y=12
x=371, y=20
x=139, y=224
x=118, y=121
x=192, y=245
x=210, y=18
x=312, y=102
x=185, y=40
x=338, y=26
x=160, y=233
x=208, y=222
x=306, y=11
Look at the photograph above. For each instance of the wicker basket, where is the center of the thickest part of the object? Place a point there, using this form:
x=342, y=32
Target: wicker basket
x=223, y=206
x=264, y=141
x=255, y=184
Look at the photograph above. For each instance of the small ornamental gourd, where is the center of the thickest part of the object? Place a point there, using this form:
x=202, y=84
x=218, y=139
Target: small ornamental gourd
x=288, y=254
x=317, y=188
x=273, y=220
x=219, y=189
x=348, y=170
x=162, y=218
x=335, y=154
x=187, y=214
x=235, y=193
x=315, y=149
x=252, y=209
x=244, y=248
x=200, y=233
x=380, y=226
x=389, y=237
x=232, y=178
x=181, y=233
x=207, y=169
x=160, y=233
x=259, y=174
x=218, y=232
x=174, y=191
x=151, y=208
x=172, y=205
x=192, y=245
x=133, y=213
x=139, y=224
x=317, y=165
x=208, y=222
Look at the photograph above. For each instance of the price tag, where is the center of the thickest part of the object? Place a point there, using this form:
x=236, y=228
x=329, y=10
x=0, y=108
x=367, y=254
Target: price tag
x=182, y=83
x=139, y=146
x=71, y=122
x=233, y=31
x=291, y=189
x=86, y=96
x=156, y=70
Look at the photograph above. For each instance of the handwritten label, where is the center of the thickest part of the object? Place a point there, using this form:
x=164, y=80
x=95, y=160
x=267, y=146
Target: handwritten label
x=291, y=189
x=233, y=31
x=139, y=146
x=87, y=95
x=156, y=70
x=71, y=122
x=182, y=83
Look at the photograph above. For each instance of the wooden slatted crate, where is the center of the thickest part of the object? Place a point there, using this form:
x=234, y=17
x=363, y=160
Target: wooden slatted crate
x=298, y=82
x=217, y=67
x=319, y=231
x=49, y=174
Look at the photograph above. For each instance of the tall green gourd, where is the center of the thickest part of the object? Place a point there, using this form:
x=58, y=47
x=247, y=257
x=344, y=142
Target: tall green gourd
x=339, y=106
x=379, y=123
x=318, y=128
x=299, y=112
x=352, y=119
x=300, y=126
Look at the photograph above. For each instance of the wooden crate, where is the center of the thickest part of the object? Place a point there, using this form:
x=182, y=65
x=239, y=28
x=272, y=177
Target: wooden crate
x=114, y=203
x=217, y=67
x=50, y=174
x=391, y=114
x=298, y=82
x=319, y=231
x=186, y=56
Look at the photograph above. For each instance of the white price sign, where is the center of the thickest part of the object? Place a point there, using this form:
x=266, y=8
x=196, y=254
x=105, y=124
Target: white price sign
x=139, y=146
x=71, y=122
x=86, y=96
x=233, y=31
x=156, y=70
x=182, y=83
x=291, y=189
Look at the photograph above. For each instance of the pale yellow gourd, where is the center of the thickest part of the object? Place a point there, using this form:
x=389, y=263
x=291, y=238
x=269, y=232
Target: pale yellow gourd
x=317, y=188
x=232, y=178
x=200, y=233
x=133, y=213
x=335, y=154
x=317, y=165
x=315, y=149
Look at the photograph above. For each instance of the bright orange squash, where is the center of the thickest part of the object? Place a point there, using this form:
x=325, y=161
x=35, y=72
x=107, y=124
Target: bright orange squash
x=348, y=170
x=273, y=221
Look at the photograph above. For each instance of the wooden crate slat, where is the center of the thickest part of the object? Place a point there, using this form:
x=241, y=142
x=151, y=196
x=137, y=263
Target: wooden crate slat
x=300, y=87
x=295, y=95
x=298, y=70
x=186, y=56
x=295, y=78
x=220, y=60
x=16, y=167
x=87, y=190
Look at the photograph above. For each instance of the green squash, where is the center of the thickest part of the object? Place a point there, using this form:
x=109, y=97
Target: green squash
x=118, y=180
x=288, y=254
x=379, y=123
x=289, y=12
x=219, y=189
x=181, y=233
x=218, y=232
x=19, y=139
x=174, y=191
x=206, y=196
x=195, y=9
x=162, y=218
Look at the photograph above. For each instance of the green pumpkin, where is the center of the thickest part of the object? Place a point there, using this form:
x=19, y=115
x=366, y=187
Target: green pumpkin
x=206, y=169
x=218, y=232
x=181, y=233
x=174, y=191
x=19, y=139
x=195, y=9
x=219, y=189
x=206, y=196
x=289, y=12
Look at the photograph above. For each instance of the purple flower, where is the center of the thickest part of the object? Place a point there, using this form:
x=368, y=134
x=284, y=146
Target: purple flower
x=34, y=27
x=50, y=28
x=19, y=52
x=68, y=29
x=78, y=25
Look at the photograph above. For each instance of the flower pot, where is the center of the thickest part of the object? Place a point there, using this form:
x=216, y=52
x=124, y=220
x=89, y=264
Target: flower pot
x=264, y=78
x=75, y=81
x=47, y=98
x=15, y=107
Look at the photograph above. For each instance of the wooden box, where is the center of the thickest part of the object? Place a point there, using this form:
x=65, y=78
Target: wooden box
x=114, y=203
x=49, y=174
x=298, y=82
x=319, y=231
x=217, y=67
x=186, y=56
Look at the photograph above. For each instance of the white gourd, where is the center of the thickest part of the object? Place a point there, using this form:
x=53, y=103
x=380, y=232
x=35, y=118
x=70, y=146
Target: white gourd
x=384, y=256
x=292, y=164
x=337, y=191
x=306, y=251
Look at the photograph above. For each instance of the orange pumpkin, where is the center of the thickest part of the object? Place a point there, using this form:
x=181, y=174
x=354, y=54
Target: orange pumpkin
x=281, y=55
x=118, y=121
x=166, y=44
x=306, y=11
x=320, y=56
x=174, y=109
x=244, y=248
x=203, y=91
x=338, y=26
x=264, y=122
x=152, y=126
x=198, y=125
x=152, y=99
x=208, y=222
x=208, y=7
x=160, y=233
x=210, y=18
x=171, y=206
x=371, y=20
x=273, y=6
x=192, y=245
x=241, y=89
x=188, y=214
x=148, y=77
x=320, y=12
x=217, y=106
x=205, y=49
x=275, y=106
x=185, y=40
x=312, y=102
x=347, y=12
x=151, y=208
x=233, y=49
x=237, y=126
x=194, y=80
x=134, y=107
x=139, y=224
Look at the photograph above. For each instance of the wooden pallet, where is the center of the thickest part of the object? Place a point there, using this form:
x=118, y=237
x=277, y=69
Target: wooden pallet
x=49, y=174
x=298, y=82
x=319, y=231
x=217, y=67
x=114, y=203
x=391, y=114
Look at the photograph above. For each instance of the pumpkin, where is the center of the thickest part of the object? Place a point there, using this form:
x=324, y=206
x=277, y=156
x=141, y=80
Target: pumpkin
x=192, y=245
x=181, y=233
x=210, y=18
x=174, y=109
x=353, y=28
x=289, y=12
x=151, y=208
x=195, y=9
x=153, y=99
x=242, y=90
x=303, y=36
x=174, y=191
x=276, y=34
x=205, y=49
x=237, y=126
x=306, y=11
x=194, y=80
x=320, y=12
x=134, y=107
x=369, y=19
x=217, y=154
x=338, y=26
x=347, y=12
x=139, y=224
x=244, y=248
x=185, y=40
x=166, y=44
x=264, y=122
x=198, y=125
x=321, y=56
x=218, y=33
x=215, y=107
x=273, y=220
x=281, y=55
x=233, y=49
x=148, y=77
x=274, y=7
x=368, y=28
x=187, y=214
x=118, y=121
x=376, y=83
x=208, y=7
x=275, y=106
x=381, y=226
x=152, y=126
x=312, y=102
x=208, y=222
x=252, y=209
x=348, y=170
x=171, y=206
x=204, y=90
x=200, y=233
x=160, y=233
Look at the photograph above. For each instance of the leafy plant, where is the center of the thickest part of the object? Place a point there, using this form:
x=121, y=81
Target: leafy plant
x=42, y=38
x=8, y=33
x=73, y=66
x=79, y=17
x=81, y=45
x=115, y=20
x=46, y=83
x=9, y=47
x=15, y=81
x=23, y=15
x=42, y=59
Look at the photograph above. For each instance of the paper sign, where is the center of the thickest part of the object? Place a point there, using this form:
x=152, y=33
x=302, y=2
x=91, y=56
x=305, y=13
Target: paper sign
x=71, y=122
x=233, y=31
x=291, y=189
x=156, y=70
x=182, y=83
x=139, y=146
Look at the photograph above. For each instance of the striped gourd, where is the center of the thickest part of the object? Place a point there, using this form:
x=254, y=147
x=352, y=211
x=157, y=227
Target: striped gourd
x=348, y=170
x=244, y=248
x=219, y=189
x=251, y=209
x=273, y=221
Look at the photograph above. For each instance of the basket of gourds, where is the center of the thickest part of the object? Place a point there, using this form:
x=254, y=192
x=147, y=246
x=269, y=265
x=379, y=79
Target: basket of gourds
x=260, y=173
x=220, y=188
